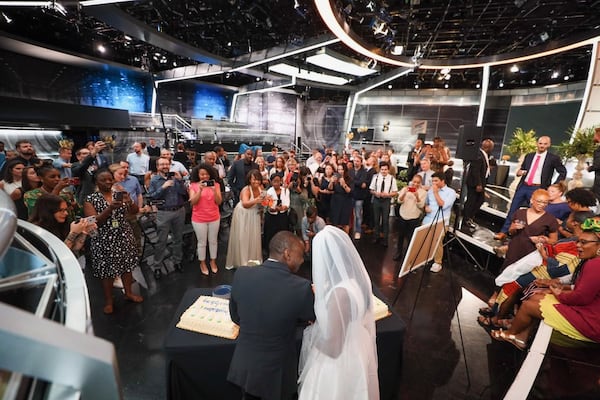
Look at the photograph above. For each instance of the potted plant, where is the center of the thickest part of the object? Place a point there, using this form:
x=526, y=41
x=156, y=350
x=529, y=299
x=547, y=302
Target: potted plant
x=580, y=145
x=521, y=143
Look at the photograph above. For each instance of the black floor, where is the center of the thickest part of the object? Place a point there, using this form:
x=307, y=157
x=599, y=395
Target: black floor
x=447, y=355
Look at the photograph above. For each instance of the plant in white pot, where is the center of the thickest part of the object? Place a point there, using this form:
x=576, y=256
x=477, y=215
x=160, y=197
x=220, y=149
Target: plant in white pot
x=580, y=146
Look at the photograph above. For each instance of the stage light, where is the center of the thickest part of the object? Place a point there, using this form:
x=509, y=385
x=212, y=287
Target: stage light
x=554, y=75
x=501, y=84
x=127, y=37
x=301, y=73
x=257, y=79
x=397, y=50
x=533, y=81
x=447, y=77
x=445, y=71
x=478, y=86
x=390, y=86
x=101, y=48
x=566, y=77
x=371, y=6
x=416, y=85
x=333, y=61
x=7, y=18
x=514, y=68
x=446, y=85
x=372, y=63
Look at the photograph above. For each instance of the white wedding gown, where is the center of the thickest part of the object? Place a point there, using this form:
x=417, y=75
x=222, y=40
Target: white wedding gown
x=339, y=354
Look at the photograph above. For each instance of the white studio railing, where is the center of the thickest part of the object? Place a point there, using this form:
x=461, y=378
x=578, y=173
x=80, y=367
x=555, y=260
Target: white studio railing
x=47, y=345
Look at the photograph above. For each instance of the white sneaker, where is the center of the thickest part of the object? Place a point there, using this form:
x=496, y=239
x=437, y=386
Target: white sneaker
x=436, y=267
x=229, y=267
x=357, y=235
x=118, y=283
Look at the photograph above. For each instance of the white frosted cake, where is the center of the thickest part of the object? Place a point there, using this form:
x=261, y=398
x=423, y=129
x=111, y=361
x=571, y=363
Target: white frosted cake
x=209, y=315
x=380, y=309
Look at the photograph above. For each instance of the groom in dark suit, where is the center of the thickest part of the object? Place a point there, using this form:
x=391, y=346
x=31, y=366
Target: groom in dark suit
x=267, y=302
x=536, y=173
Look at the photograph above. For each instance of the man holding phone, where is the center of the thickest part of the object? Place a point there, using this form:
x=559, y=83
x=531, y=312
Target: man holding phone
x=169, y=189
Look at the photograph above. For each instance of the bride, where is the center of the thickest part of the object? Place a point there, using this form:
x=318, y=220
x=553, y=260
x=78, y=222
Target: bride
x=339, y=355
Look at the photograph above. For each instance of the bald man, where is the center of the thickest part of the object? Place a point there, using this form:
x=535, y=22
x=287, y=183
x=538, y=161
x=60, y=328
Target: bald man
x=536, y=173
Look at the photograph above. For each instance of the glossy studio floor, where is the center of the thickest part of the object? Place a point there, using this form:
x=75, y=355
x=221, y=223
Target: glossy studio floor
x=447, y=355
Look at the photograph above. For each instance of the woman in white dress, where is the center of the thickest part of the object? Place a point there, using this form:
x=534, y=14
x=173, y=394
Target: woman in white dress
x=245, y=232
x=339, y=354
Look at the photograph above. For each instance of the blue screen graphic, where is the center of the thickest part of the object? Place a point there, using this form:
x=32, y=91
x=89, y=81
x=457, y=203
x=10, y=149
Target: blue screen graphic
x=210, y=101
x=115, y=90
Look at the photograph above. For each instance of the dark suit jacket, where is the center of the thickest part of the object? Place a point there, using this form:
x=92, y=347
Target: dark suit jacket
x=477, y=171
x=236, y=177
x=267, y=302
x=359, y=177
x=551, y=164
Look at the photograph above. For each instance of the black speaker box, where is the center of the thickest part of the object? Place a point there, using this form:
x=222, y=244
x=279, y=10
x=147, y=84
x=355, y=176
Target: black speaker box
x=469, y=139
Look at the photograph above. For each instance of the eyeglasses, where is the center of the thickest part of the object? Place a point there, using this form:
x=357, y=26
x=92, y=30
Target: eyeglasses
x=583, y=241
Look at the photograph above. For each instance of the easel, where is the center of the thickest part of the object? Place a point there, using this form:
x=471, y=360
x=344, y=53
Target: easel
x=438, y=216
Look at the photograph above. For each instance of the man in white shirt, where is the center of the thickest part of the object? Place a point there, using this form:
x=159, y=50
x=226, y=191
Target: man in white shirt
x=383, y=188
x=440, y=199
x=176, y=166
x=138, y=162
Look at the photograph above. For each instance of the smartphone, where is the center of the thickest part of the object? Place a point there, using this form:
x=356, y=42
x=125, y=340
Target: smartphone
x=209, y=183
x=74, y=181
x=170, y=175
x=118, y=196
x=412, y=189
x=336, y=175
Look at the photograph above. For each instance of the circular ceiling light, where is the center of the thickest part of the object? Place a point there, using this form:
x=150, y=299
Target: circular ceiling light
x=338, y=25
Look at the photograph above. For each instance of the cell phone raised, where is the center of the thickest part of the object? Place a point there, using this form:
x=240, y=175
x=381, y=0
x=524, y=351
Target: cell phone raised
x=118, y=196
x=170, y=175
x=209, y=183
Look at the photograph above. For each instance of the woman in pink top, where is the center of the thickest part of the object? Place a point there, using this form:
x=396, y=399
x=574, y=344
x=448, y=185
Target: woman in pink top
x=205, y=198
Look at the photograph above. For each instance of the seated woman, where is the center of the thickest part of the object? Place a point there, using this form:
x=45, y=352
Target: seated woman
x=573, y=310
x=578, y=199
x=547, y=262
x=557, y=205
x=50, y=212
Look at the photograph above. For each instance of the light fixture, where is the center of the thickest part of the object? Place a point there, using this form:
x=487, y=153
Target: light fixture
x=397, y=50
x=7, y=18
x=566, y=77
x=290, y=70
x=390, y=86
x=478, y=86
x=533, y=81
x=501, y=84
x=554, y=75
x=257, y=78
x=333, y=61
x=445, y=71
x=446, y=85
x=101, y=48
x=514, y=68
x=101, y=2
x=416, y=85
x=372, y=63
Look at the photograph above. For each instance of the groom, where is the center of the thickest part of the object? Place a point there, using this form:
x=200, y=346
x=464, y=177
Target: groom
x=267, y=302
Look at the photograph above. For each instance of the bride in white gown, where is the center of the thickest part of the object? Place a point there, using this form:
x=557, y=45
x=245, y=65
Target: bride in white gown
x=339, y=354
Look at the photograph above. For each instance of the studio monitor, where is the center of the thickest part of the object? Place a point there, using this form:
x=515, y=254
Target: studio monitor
x=469, y=140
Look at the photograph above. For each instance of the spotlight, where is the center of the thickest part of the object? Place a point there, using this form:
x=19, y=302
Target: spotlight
x=501, y=84
x=445, y=71
x=416, y=85
x=478, y=86
x=554, y=75
x=566, y=77
x=7, y=18
x=127, y=37
x=257, y=79
x=514, y=68
x=371, y=6
x=101, y=48
x=533, y=81
x=397, y=50
x=390, y=86
x=446, y=86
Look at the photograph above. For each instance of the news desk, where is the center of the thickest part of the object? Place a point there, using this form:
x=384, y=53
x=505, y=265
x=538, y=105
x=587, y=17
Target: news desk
x=197, y=364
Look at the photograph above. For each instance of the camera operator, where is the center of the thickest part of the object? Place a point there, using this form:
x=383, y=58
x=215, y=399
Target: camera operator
x=170, y=187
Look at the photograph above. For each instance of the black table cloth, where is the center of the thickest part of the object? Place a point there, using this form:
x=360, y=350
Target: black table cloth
x=197, y=364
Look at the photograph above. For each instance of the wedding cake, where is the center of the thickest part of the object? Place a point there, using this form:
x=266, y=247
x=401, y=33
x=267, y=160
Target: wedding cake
x=209, y=315
x=380, y=309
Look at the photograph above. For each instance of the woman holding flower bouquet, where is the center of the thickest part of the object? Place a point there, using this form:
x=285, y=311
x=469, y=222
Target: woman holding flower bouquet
x=276, y=213
x=244, y=238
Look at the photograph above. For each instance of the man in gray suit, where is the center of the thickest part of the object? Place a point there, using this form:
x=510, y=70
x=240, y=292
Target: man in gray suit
x=267, y=302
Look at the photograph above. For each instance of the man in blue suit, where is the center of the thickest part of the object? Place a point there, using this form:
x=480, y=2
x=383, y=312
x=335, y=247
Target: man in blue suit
x=267, y=302
x=536, y=173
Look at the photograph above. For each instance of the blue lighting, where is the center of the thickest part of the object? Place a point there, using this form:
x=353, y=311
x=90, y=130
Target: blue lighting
x=115, y=90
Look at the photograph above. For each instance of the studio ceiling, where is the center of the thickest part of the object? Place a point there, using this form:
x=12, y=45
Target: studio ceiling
x=164, y=34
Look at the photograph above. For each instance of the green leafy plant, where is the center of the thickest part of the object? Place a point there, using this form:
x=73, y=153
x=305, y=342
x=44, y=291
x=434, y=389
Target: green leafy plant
x=522, y=142
x=581, y=144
